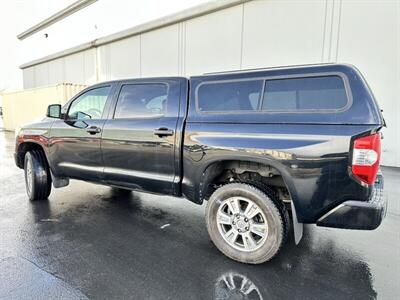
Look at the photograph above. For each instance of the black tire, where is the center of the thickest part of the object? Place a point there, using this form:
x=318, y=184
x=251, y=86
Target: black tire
x=279, y=204
x=39, y=186
x=269, y=246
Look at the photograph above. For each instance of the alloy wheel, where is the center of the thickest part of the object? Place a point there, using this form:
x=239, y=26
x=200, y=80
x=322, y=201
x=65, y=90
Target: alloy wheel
x=242, y=224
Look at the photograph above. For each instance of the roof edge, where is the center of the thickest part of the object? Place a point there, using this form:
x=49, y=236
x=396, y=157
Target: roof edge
x=181, y=16
x=65, y=12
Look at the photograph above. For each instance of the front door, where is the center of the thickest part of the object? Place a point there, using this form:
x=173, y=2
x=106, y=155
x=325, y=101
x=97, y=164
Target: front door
x=138, y=142
x=75, y=140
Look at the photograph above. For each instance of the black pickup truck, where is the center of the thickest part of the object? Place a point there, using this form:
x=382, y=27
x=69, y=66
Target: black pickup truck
x=269, y=149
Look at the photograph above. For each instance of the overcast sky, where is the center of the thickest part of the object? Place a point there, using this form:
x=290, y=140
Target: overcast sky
x=101, y=18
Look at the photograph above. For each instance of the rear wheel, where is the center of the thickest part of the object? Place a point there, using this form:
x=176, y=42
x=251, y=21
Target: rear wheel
x=37, y=176
x=244, y=223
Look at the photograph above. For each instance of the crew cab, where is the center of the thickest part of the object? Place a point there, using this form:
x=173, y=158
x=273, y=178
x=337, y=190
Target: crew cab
x=268, y=149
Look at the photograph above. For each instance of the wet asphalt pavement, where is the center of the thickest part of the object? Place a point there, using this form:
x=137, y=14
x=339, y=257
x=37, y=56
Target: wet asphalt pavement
x=87, y=241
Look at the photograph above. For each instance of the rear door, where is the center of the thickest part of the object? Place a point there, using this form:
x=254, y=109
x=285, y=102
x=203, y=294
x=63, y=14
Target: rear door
x=138, y=141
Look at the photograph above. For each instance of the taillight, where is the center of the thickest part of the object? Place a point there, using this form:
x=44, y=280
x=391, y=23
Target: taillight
x=366, y=157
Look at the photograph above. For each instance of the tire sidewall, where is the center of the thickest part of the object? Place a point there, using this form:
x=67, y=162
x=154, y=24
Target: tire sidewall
x=275, y=225
x=32, y=189
x=41, y=184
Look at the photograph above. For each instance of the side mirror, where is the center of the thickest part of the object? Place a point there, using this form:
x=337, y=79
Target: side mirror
x=54, y=111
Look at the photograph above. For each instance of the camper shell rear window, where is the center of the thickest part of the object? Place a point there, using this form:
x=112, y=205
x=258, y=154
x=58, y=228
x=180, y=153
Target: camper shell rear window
x=308, y=93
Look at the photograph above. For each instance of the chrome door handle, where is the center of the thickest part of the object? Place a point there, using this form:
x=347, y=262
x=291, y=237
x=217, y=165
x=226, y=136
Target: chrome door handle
x=163, y=132
x=93, y=130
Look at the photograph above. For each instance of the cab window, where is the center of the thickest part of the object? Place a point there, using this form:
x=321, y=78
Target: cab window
x=89, y=105
x=141, y=100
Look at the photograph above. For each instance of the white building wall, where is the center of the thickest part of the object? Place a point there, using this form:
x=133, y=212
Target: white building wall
x=119, y=60
x=259, y=33
x=76, y=68
x=214, y=42
x=372, y=44
x=56, y=71
x=283, y=33
x=160, y=52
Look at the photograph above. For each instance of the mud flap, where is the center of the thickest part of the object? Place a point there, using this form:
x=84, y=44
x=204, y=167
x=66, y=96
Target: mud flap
x=59, y=182
x=297, y=227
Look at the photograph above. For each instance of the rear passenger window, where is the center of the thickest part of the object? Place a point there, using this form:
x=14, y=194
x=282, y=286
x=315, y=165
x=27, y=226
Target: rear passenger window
x=141, y=100
x=229, y=96
x=309, y=93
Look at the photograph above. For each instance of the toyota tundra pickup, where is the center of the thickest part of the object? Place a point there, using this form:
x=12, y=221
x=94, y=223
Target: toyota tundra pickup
x=268, y=149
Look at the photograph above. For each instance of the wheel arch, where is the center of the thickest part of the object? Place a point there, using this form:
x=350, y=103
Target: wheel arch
x=24, y=147
x=213, y=169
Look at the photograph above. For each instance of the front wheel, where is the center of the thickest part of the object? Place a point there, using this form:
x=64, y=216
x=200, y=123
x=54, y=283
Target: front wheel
x=37, y=176
x=244, y=223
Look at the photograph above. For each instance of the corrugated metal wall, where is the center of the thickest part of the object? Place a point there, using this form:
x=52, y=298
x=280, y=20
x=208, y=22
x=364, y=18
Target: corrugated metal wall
x=77, y=68
x=256, y=34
